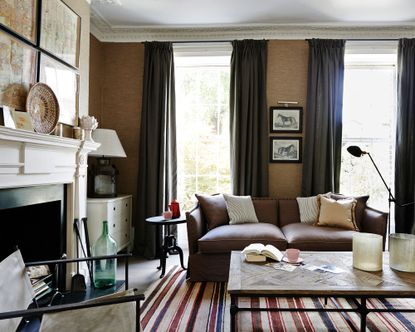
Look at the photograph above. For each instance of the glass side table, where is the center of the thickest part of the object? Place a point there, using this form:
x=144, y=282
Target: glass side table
x=169, y=245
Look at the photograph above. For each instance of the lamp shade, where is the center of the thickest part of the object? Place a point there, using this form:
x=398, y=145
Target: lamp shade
x=355, y=151
x=110, y=144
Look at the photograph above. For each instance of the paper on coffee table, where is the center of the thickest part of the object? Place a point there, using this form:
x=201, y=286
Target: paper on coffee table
x=282, y=266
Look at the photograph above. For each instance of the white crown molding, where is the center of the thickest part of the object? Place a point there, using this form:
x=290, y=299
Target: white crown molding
x=104, y=32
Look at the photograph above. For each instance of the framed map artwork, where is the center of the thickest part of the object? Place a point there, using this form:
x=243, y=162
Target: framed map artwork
x=60, y=31
x=20, y=17
x=64, y=82
x=17, y=71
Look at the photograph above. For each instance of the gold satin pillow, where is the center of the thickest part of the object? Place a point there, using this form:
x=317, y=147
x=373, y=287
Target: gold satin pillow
x=340, y=213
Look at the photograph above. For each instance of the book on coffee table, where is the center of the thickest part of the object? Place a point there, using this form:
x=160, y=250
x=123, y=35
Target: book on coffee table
x=257, y=252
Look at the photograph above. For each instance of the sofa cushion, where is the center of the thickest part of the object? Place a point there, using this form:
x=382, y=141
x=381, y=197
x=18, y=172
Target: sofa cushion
x=360, y=206
x=214, y=210
x=340, y=213
x=266, y=209
x=224, y=239
x=240, y=209
x=311, y=238
x=288, y=212
x=309, y=208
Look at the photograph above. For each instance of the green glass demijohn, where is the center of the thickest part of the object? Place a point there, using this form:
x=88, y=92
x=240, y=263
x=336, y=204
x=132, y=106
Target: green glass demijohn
x=104, y=270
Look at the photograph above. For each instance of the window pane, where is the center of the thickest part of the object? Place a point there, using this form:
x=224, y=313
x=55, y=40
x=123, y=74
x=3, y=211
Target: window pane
x=369, y=110
x=202, y=107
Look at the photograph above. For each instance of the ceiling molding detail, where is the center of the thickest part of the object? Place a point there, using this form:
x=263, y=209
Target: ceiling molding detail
x=107, y=2
x=104, y=32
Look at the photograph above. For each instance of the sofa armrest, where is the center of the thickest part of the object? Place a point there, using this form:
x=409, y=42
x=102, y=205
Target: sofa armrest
x=374, y=221
x=195, y=228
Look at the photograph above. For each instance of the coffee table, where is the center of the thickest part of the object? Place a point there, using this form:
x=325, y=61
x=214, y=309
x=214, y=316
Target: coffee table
x=260, y=280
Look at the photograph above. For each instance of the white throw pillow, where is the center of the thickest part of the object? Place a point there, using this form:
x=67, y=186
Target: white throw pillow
x=240, y=209
x=309, y=208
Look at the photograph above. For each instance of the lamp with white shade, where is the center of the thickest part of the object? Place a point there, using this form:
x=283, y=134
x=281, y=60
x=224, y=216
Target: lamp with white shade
x=104, y=174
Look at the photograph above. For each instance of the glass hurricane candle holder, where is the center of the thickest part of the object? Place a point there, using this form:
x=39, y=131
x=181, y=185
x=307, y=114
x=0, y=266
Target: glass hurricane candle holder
x=367, y=251
x=402, y=252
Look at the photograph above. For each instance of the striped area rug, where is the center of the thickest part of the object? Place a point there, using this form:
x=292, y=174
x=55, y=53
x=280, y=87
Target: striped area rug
x=175, y=304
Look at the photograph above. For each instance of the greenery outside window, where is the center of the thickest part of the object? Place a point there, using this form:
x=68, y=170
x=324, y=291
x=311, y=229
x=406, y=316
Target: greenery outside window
x=369, y=113
x=202, y=73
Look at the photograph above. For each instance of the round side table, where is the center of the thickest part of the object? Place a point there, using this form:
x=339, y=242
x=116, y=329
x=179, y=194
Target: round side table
x=169, y=242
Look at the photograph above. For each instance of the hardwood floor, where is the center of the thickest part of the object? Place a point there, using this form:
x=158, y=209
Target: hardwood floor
x=143, y=272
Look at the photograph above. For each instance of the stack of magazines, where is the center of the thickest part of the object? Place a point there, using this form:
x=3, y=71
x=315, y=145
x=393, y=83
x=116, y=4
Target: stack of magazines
x=41, y=279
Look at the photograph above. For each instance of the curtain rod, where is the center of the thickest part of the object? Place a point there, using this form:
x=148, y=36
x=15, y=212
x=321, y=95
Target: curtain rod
x=201, y=41
x=307, y=39
x=372, y=39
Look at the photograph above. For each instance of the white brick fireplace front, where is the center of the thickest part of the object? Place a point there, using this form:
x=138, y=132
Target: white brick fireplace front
x=30, y=159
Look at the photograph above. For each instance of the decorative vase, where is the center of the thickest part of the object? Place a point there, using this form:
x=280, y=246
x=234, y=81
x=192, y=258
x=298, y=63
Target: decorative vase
x=402, y=252
x=367, y=251
x=174, y=207
x=104, y=270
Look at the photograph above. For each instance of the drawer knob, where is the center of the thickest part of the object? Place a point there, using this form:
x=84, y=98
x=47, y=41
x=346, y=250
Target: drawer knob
x=113, y=208
x=126, y=220
x=113, y=225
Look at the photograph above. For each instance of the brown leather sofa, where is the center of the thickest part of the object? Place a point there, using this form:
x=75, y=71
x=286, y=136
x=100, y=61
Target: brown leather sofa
x=279, y=224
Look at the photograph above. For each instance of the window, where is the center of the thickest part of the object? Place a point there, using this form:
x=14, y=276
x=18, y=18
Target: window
x=369, y=111
x=202, y=109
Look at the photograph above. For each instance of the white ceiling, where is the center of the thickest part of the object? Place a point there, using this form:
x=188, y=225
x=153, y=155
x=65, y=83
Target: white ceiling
x=129, y=15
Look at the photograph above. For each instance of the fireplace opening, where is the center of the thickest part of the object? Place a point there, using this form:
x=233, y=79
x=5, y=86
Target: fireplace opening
x=33, y=219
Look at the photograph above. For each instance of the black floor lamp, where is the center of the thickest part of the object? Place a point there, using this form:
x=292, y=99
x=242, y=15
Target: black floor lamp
x=357, y=152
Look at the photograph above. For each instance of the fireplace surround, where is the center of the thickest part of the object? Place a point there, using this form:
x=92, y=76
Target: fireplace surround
x=35, y=163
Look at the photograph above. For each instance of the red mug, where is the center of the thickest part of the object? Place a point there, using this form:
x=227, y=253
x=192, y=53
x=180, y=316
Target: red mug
x=175, y=209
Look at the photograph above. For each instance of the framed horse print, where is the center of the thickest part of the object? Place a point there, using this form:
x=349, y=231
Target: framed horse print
x=285, y=149
x=286, y=119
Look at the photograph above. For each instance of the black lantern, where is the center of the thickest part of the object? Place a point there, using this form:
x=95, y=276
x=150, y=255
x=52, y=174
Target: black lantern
x=104, y=174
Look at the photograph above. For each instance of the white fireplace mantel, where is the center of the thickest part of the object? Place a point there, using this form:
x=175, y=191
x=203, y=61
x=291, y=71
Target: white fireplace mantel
x=32, y=159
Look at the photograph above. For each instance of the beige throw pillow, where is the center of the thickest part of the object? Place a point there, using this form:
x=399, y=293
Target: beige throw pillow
x=340, y=213
x=240, y=209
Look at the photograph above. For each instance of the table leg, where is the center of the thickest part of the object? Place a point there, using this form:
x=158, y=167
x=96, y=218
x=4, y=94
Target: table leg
x=163, y=252
x=180, y=251
x=163, y=262
x=363, y=314
x=233, y=311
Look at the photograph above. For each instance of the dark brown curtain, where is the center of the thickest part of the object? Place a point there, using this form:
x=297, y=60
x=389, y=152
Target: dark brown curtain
x=323, y=135
x=405, y=138
x=157, y=173
x=248, y=118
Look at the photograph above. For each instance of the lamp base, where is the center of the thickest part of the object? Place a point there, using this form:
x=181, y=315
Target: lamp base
x=95, y=195
x=104, y=179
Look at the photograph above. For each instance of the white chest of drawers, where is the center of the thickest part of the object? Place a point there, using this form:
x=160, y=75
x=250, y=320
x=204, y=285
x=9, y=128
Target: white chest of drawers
x=117, y=211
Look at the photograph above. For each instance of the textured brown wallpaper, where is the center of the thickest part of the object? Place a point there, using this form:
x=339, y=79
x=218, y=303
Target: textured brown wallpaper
x=116, y=72
x=287, y=81
x=115, y=100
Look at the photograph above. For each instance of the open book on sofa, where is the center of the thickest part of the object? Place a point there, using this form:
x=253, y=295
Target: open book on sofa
x=257, y=252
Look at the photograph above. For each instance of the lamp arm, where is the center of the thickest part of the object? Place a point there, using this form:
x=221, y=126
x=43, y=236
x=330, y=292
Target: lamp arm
x=391, y=197
x=406, y=204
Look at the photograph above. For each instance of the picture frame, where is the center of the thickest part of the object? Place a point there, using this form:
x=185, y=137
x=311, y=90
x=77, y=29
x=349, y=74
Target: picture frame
x=286, y=119
x=22, y=120
x=20, y=16
x=285, y=149
x=18, y=63
x=60, y=31
x=64, y=82
x=6, y=117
